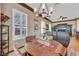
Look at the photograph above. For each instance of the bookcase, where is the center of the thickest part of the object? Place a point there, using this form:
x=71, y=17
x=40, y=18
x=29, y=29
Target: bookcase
x=4, y=40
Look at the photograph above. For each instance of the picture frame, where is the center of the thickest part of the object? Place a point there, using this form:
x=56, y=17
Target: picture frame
x=36, y=24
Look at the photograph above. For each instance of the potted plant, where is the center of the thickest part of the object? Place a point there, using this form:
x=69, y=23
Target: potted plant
x=3, y=18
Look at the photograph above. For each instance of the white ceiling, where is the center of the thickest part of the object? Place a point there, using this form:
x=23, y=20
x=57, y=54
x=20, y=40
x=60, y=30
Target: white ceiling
x=69, y=10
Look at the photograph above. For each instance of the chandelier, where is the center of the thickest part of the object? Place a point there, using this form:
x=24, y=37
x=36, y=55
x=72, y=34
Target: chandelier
x=43, y=10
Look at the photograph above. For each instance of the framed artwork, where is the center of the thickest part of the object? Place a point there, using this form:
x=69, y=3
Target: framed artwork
x=47, y=26
x=36, y=25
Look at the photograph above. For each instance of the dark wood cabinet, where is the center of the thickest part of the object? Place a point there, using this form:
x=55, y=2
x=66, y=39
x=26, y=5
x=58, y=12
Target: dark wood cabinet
x=4, y=40
x=77, y=35
x=64, y=28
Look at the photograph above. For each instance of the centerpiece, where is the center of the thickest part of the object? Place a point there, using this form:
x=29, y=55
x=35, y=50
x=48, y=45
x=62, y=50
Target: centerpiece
x=3, y=18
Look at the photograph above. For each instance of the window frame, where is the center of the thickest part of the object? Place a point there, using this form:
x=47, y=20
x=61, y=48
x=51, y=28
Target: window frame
x=19, y=36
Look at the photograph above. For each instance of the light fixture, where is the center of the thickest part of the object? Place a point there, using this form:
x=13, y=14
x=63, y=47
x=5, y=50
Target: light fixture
x=62, y=17
x=43, y=10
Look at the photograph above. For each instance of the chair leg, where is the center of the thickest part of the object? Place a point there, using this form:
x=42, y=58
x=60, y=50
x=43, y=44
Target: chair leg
x=29, y=54
x=66, y=53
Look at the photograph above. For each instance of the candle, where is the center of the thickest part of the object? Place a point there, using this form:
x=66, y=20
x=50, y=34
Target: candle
x=43, y=5
x=51, y=9
x=34, y=9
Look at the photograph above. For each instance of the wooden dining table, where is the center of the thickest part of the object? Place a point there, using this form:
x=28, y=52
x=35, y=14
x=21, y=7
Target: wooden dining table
x=35, y=48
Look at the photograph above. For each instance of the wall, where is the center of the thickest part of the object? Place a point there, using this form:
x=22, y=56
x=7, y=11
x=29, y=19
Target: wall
x=0, y=11
x=0, y=32
x=73, y=23
x=7, y=9
x=0, y=8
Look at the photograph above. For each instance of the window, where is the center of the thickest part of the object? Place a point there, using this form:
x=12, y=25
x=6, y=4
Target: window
x=19, y=25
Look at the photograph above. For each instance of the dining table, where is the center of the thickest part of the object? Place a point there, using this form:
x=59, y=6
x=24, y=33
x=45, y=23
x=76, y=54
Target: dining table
x=35, y=48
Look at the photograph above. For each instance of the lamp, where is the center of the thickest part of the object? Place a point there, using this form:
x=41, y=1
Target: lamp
x=43, y=10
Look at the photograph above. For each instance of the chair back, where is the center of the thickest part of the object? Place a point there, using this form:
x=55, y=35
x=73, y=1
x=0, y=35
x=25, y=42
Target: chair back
x=16, y=50
x=16, y=47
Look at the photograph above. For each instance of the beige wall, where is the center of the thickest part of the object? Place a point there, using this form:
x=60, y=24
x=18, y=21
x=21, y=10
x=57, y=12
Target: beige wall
x=73, y=23
x=7, y=9
x=0, y=8
x=0, y=12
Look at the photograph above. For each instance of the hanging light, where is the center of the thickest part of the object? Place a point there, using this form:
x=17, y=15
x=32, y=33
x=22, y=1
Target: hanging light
x=43, y=6
x=35, y=10
x=51, y=10
x=43, y=10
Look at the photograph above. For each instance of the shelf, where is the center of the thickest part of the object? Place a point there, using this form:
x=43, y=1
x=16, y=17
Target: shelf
x=4, y=39
x=4, y=25
x=5, y=33
x=5, y=46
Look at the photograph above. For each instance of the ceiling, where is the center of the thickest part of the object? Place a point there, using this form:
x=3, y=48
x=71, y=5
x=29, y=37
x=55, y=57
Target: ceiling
x=69, y=10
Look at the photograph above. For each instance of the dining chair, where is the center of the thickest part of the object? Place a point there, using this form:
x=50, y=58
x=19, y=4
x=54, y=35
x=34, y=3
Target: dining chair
x=18, y=50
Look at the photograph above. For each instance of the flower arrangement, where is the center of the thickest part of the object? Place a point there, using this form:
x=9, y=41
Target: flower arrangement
x=3, y=17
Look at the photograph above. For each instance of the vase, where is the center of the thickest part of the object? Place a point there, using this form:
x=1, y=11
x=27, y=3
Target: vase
x=3, y=23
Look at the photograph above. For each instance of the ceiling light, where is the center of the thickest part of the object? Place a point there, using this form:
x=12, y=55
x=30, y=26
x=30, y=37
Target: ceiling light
x=43, y=10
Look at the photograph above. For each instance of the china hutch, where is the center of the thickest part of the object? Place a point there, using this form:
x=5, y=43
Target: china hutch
x=4, y=40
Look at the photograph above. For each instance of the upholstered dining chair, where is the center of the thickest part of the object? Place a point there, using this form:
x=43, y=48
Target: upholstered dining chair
x=18, y=51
